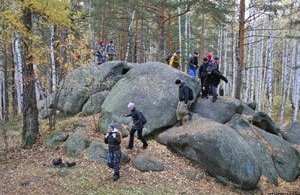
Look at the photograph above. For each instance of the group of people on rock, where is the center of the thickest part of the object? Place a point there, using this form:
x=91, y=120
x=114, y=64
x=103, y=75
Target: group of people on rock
x=105, y=52
x=209, y=76
x=208, y=73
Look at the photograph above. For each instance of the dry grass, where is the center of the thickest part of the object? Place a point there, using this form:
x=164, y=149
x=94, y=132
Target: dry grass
x=30, y=171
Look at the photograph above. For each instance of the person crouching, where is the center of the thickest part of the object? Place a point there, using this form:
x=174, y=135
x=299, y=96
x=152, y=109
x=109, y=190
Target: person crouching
x=113, y=139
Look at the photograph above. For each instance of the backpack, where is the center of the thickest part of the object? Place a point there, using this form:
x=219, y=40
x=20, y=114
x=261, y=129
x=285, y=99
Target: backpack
x=168, y=58
x=191, y=94
x=143, y=119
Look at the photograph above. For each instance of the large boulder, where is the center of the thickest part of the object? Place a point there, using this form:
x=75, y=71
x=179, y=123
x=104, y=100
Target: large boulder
x=76, y=143
x=252, y=105
x=97, y=151
x=285, y=157
x=45, y=106
x=93, y=105
x=264, y=121
x=221, y=111
x=292, y=133
x=219, y=148
x=80, y=84
x=151, y=86
x=146, y=164
x=245, y=129
x=55, y=139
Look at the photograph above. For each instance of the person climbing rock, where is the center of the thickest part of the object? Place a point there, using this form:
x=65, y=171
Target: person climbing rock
x=185, y=102
x=139, y=121
x=211, y=81
x=175, y=60
x=202, y=74
x=193, y=65
x=113, y=139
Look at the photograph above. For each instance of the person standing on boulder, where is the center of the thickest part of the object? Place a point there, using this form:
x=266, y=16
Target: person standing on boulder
x=139, y=121
x=193, y=65
x=211, y=81
x=175, y=60
x=110, y=50
x=202, y=74
x=113, y=139
x=185, y=102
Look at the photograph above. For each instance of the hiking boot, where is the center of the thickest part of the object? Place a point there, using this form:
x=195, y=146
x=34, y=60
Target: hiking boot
x=116, y=177
x=145, y=146
x=214, y=99
x=179, y=123
x=110, y=165
x=190, y=116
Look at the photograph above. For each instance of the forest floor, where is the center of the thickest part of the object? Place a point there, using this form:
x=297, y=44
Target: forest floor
x=30, y=171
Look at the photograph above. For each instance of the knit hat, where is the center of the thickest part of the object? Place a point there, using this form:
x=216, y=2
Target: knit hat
x=205, y=59
x=209, y=55
x=111, y=126
x=178, y=81
x=131, y=106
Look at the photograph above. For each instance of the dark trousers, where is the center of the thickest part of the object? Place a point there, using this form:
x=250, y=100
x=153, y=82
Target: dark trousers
x=213, y=91
x=140, y=137
x=113, y=160
x=203, y=92
x=210, y=89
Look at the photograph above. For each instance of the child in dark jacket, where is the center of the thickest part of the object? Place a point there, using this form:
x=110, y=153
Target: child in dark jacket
x=113, y=139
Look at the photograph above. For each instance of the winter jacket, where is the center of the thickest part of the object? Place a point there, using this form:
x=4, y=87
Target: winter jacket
x=175, y=61
x=202, y=70
x=184, y=93
x=110, y=49
x=113, y=139
x=214, y=78
x=193, y=62
x=136, y=117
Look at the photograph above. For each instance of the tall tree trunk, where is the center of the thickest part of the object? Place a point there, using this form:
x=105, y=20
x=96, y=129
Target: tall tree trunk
x=13, y=84
x=240, y=69
x=296, y=88
x=129, y=36
x=19, y=63
x=5, y=71
x=270, y=74
x=53, y=61
x=30, y=111
x=1, y=92
x=179, y=32
x=260, y=74
x=225, y=61
x=161, y=34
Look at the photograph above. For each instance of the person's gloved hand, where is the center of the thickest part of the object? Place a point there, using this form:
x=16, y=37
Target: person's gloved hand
x=226, y=81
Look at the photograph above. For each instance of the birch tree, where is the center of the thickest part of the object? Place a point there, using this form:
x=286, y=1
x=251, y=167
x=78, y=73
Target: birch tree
x=129, y=35
x=269, y=66
x=179, y=32
x=18, y=59
x=296, y=87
